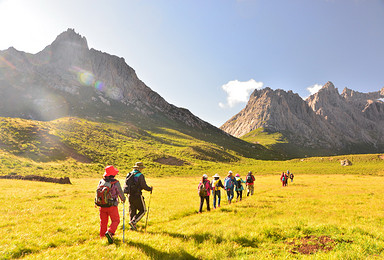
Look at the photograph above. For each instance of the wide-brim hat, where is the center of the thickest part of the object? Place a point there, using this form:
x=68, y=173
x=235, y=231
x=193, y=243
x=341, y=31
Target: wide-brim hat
x=110, y=171
x=216, y=176
x=205, y=176
x=139, y=165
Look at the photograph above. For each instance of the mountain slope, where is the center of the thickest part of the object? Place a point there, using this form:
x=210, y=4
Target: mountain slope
x=67, y=79
x=325, y=123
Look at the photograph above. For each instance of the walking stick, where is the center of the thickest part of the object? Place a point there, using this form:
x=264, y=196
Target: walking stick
x=123, y=220
x=149, y=204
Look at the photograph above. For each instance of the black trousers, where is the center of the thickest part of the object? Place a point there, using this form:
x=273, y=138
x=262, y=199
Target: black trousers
x=137, y=208
x=202, y=203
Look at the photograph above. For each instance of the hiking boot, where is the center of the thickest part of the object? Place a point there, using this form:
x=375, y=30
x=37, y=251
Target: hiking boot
x=109, y=237
x=133, y=226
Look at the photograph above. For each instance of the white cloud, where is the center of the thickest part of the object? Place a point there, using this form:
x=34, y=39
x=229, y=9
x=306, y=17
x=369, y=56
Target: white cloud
x=314, y=88
x=239, y=92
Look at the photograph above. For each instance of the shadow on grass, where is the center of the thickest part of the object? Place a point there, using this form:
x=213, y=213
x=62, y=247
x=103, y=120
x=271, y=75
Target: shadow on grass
x=200, y=238
x=157, y=254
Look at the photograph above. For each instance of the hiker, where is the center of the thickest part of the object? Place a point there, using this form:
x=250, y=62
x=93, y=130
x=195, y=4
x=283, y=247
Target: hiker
x=134, y=184
x=286, y=177
x=291, y=176
x=229, y=184
x=282, y=178
x=204, y=189
x=216, y=185
x=250, y=183
x=108, y=209
x=239, y=187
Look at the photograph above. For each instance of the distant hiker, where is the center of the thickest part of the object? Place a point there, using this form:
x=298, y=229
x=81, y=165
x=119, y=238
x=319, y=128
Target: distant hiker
x=291, y=176
x=282, y=178
x=204, y=189
x=239, y=187
x=229, y=184
x=216, y=185
x=286, y=177
x=134, y=184
x=107, y=194
x=250, y=183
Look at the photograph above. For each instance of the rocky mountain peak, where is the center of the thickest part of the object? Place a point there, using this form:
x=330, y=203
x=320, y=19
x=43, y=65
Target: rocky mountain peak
x=68, y=47
x=70, y=37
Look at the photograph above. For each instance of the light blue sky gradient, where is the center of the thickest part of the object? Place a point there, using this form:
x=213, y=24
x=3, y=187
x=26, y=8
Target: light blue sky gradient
x=189, y=51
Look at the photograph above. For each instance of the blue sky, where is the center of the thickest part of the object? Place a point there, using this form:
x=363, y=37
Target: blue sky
x=208, y=56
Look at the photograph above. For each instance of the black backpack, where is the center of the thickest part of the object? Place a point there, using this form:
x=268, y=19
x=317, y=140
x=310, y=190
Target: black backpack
x=238, y=183
x=131, y=186
x=249, y=179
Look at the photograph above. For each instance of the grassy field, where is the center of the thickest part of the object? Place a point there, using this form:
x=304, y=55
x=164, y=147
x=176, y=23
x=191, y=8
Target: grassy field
x=330, y=216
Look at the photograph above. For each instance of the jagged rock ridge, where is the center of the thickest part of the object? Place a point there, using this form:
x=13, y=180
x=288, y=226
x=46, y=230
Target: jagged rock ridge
x=68, y=78
x=343, y=122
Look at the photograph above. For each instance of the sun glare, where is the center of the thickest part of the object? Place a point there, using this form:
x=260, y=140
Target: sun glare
x=24, y=26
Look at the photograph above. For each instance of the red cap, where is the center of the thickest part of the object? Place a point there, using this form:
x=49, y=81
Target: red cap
x=110, y=171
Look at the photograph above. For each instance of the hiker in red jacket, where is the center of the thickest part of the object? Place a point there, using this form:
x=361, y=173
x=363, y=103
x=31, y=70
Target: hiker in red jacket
x=283, y=178
x=204, y=189
x=107, y=211
x=250, y=183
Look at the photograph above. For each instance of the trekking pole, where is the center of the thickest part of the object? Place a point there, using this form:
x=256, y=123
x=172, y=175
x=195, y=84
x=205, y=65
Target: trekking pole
x=149, y=204
x=123, y=220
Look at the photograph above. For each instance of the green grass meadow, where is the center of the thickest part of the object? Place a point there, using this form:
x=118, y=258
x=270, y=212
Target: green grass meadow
x=53, y=221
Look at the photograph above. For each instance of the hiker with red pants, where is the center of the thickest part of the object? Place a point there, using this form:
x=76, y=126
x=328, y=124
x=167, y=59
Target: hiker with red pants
x=134, y=184
x=110, y=210
x=204, y=189
x=283, y=179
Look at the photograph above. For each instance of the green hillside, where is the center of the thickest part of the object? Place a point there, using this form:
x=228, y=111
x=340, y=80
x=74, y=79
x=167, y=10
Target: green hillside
x=77, y=147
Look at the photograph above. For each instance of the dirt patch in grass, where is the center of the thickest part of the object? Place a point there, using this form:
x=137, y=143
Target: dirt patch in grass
x=312, y=244
x=170, y=161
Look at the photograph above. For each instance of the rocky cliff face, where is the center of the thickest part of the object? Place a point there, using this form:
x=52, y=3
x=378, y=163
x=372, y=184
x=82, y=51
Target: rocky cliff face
x=326, y=120
x=68, y=78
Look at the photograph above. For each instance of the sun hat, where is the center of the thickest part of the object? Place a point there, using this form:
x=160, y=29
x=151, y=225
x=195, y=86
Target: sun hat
x=110, y=171
x=139, y=165
x=250, y=172
x=216, y=176
x=230, y=172
x=205, y=176
x=237, y=175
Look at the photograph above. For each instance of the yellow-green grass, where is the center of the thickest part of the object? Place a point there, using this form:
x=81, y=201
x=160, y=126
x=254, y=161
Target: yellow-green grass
x=44, y=220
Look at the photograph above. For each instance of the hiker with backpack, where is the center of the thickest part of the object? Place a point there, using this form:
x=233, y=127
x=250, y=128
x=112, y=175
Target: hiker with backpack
x=204, y=189
x=290, y=175
x=283, y=178
x=229, y=185
x=239, y=187
x=107, y=194
x=134, y=184
x=250, y=183
x=216, y=185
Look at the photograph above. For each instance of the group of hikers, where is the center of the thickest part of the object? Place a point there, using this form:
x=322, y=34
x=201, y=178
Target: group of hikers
x=109, y=191
x=231, y=183
x=285, y=176
x=107, y=194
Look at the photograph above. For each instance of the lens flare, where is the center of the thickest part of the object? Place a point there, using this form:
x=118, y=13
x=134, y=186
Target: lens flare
x=86, y=78
x=99, y=85
x=5, y=63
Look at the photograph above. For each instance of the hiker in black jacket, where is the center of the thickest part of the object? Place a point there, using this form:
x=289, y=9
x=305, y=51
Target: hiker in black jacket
x=134, y=184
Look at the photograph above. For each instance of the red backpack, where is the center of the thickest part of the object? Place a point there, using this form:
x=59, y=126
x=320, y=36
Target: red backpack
x=103, y=194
